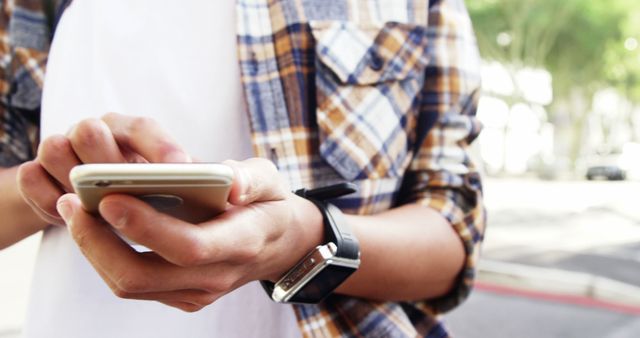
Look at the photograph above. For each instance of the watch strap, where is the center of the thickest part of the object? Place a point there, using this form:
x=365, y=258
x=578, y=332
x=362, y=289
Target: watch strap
x=328, y=192
x=336, y=229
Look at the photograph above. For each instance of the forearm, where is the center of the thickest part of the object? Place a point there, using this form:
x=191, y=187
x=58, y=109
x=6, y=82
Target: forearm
x=17, y=219
x=407, y=253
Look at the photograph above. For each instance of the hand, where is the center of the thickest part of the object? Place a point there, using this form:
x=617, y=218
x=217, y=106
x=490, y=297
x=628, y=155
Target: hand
x=266, y=230
x=113, y=138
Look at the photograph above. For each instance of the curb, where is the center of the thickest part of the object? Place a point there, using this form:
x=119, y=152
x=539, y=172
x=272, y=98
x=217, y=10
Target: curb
x=559, y=282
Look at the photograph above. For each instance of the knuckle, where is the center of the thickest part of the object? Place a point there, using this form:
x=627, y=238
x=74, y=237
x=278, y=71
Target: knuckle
x=203, y=298
x=196, y=254
x=52, y=148
x=268, y=180
x=87, y=133
x=110, y=116
x=121, y=293
x=166, y=147
x=220, y=284
x=27, y=175
x=248, y=251
x=141, y=123
x=226, y=283
x=191, y=258
x=207, y=299
x=131, y=282
x=187, y=307
x=34, y=190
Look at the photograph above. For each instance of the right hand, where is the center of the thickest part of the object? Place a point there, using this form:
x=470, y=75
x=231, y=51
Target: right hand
x=114, y=138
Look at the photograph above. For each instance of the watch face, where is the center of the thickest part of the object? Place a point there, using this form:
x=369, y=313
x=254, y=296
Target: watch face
x=322, y=284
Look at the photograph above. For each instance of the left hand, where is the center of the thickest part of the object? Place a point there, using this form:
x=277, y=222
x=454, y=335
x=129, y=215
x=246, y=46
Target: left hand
x=263, y=234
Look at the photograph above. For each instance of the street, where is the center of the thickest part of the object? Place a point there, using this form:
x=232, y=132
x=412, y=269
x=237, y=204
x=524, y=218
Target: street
x=592, y=228
x=491, y=315
x=584, y=226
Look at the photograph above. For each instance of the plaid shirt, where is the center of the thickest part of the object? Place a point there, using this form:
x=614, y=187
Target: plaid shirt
x=381, y=93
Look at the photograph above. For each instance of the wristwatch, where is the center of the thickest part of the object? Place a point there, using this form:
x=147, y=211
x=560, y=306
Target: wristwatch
x=323, y=269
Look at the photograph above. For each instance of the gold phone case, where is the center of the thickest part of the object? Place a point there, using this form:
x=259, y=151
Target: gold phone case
x=194, y=192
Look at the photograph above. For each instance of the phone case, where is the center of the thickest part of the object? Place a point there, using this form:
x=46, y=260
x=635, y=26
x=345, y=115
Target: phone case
x=194, y=192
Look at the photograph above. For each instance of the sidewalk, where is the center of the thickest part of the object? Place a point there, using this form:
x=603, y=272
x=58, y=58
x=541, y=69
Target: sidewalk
x=491, y=314
x=589, y=289
x=560, y=259
x=564, y=237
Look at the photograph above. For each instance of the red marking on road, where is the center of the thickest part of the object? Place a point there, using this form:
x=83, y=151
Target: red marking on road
x=559, y=298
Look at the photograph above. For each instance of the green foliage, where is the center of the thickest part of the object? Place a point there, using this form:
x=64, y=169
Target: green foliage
x=581, y=42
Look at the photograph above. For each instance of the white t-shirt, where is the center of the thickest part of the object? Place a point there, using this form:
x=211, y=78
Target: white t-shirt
x=177, y=63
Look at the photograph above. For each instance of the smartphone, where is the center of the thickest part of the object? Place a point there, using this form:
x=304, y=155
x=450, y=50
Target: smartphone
x=193, y=192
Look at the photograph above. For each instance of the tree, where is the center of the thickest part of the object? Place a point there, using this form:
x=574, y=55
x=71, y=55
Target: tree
x=581, y=42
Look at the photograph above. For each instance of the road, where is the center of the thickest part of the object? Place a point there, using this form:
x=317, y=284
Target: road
x=581, y=226
x=489, y=315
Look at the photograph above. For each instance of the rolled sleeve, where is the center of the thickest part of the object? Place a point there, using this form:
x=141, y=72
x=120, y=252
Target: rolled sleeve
x=18, y=138
x=24, y=46
x=442, y=175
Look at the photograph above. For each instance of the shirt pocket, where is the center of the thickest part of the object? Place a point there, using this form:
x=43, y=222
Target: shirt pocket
x=367, y=80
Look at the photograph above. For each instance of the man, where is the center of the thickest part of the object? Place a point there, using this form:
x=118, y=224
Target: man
x=378, y=93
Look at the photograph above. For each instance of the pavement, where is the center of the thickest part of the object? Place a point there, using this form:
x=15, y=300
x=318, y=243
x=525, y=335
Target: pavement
x=487, y=314
x=591, y=227
x=588, y=228
x=560, y=259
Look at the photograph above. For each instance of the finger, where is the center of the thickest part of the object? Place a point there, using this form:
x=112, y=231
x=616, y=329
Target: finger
x=57, y=157
x=191, y=298
x=93, y=142
x=186, y=307
x=40, y=191
x=256, y=180
x=131, y=156
x=231, y=241
x=47, y=218
x=177, y=241
x=145, y=137
x=121, y=266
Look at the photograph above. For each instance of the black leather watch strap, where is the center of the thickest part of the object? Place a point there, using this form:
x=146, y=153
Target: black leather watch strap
x=328, y=192
x=336, y=231
x=336, y=228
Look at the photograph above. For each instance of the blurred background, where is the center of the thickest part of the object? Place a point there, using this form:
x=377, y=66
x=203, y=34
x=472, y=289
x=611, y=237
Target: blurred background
x=561, y=87
x=561, y=156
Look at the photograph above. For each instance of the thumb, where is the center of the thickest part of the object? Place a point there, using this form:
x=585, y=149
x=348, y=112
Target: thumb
x=256, y=180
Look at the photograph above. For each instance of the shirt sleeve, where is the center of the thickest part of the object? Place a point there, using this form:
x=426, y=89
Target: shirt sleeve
x=442, y=175
x=24, y=44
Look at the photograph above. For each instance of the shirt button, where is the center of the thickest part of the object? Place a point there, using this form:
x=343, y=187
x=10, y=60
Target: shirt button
x=376, y=62
x=254, y=68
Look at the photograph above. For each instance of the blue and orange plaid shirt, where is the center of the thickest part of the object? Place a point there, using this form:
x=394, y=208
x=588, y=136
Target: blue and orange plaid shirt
x=381, y=93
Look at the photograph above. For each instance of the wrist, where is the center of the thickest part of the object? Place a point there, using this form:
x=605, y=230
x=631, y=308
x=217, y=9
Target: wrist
x=20, y=221
x=308, y=219
x=307, y=229
x=326, y=266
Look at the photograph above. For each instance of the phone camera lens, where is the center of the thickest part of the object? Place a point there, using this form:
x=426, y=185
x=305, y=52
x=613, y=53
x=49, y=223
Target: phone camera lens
x=103, y=184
